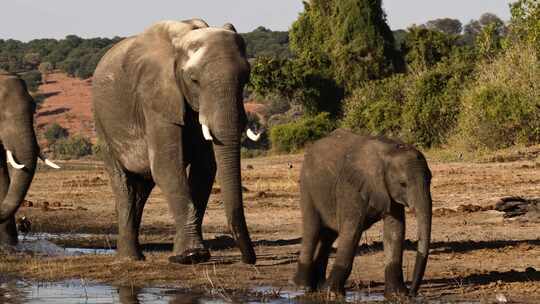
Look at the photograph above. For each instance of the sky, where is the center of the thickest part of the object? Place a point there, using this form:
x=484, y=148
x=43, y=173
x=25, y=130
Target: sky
x=29, y=19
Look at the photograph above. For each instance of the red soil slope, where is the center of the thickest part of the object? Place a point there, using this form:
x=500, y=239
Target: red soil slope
x=68, y=102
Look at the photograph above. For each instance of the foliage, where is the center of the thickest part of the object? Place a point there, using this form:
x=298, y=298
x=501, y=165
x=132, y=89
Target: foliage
x=72, y=147
x=525, y=23
x=502, y=107
x=433, y=103
x=489, y=42
x=347, y=40
x=264, y=42
x=32, y=79
x=475, y=27
x=424, y=48
x=98, y=149
x=74, y=55
x=420, y=107
x=79, y=57
x=291, y=80
x=54, y=133
x=448, y=26
x=338, y=45
x=376, y=106
x=293, y=136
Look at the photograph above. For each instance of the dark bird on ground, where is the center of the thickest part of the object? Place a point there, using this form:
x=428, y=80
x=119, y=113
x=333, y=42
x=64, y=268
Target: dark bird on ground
x=24, y=225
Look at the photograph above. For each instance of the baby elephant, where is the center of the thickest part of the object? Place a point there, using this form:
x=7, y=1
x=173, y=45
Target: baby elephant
x=348, y=182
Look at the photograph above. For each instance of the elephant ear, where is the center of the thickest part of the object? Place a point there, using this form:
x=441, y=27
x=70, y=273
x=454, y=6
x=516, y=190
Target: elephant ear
x=364, y=171
x=229, y=27
x=152, y=66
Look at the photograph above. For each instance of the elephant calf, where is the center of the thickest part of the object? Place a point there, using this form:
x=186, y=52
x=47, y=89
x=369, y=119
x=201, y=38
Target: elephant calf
x=348, y=182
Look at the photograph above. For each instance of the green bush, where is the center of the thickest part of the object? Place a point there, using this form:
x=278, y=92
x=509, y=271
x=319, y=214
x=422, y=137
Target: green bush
x=433, y=103
x=376, y=106
x=32, y=79
x=502, y=107
x=421, y=107
x=292, y=137
x=72, y=147
x=98, y=149
x=55, y=132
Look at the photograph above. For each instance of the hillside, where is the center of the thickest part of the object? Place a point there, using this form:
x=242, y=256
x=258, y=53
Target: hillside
x=68, y=102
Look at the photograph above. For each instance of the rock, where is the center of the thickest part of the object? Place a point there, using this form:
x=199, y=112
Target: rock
x=469, y=208
x=249, y=167
x=501, y=298
x=514, y=206
x=26, y=203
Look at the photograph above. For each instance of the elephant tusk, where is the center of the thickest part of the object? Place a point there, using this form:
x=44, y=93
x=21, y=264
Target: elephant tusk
x=12, y=162
x=48, y=162
x=206, y=133
x=251, y=135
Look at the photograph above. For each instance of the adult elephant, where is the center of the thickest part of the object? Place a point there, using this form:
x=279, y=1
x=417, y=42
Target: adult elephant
x=349, y=182
x=168, y=107
x=18, y=148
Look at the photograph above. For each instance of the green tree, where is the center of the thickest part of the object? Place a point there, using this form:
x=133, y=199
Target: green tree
x=339, y=44
x=448, y=26
x=525, y=22
x=424, y=48
x=54, y=133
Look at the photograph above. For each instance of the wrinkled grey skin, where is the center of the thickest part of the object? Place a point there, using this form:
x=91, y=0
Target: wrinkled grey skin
x=151, y=94
x=349, y=182
x=17, y=135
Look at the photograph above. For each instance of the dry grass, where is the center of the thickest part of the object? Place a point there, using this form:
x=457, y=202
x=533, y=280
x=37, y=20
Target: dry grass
x=474, y=254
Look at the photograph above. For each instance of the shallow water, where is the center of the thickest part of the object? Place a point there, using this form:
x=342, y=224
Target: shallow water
x=82, y=292
x=40, y=243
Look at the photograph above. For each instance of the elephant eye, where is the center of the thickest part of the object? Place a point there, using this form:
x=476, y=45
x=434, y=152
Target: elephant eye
x=403, y=184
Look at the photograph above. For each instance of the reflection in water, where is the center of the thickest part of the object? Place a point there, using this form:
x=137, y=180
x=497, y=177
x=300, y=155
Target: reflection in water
x=12, y=291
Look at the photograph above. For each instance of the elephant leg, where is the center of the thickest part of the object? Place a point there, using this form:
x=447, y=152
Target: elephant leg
x=201, y=177
x=349, y=236
x=327, y=238
x=168, y=171
x=393, y=238
x=311, y=226
x=130, y=193
x=8, y=229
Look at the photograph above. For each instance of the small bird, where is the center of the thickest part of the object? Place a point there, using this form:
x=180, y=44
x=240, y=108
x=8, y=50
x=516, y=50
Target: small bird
x=24, y=225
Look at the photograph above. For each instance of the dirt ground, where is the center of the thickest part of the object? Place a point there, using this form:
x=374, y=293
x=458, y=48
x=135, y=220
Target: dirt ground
x=475, y=253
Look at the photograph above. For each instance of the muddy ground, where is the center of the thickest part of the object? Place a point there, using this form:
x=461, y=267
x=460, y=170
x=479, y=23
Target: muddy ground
x=476, y=253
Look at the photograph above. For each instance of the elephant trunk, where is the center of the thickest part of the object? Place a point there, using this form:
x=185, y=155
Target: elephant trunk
x=25, y=150
x=225, y=129
x=228, y=163
x=422, y=201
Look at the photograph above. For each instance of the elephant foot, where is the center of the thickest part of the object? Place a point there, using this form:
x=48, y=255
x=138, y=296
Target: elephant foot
x=191, y=256
x=132, y=255
x=396, y=291
x=303, y=278
x=336, y=282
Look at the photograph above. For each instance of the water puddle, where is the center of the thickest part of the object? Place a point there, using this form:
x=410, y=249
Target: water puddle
x=43, y=244
x=81, y=292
